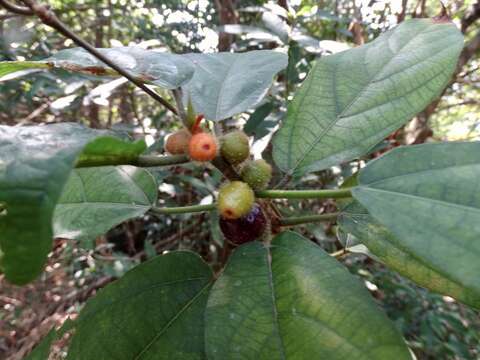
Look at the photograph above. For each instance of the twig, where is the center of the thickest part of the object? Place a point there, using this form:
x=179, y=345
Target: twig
x=305, y=194
x=182, y=209
x=307, y=219
x=21, y=10
x=141, y=161
x=50, y=19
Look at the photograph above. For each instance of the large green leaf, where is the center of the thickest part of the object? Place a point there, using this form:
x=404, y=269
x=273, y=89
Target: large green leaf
x=169, y=71
x=429, y=199
x=226, y=84
x=293, y=301
x=352, y=100
x=96, y=199
x=155, y=311
x=35, y=163
x=383, y=244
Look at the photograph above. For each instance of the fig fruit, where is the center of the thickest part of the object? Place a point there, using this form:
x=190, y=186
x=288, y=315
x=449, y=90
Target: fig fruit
x=234, y=147
x=235, y=199
x=177, y=143
x=244, y=229
x=257, y=174
x=202, y=147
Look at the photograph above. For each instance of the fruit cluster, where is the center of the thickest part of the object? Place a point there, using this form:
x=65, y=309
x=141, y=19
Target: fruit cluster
x=241, y=219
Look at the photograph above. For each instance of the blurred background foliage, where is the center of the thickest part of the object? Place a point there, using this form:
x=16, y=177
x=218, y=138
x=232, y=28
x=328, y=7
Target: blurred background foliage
x=435, y=327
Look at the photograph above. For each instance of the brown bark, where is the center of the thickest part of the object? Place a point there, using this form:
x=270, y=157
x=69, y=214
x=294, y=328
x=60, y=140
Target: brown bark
x=227, y=15
x=94, y=111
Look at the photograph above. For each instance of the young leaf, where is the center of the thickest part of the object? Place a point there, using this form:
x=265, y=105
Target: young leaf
x=96, y=199
x=155, y=311
x=352, y=100
x=388, y=249
x=168, y=71
x=428, y=198
x=226, y=84
x=35, y=163
x=292, y=300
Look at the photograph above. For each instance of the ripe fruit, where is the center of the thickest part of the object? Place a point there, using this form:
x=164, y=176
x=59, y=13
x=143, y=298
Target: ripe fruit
x=177, y=143
x=234, y=147
x=246, y=228
x=235, y=200
x=257, y=174
x=202, y=147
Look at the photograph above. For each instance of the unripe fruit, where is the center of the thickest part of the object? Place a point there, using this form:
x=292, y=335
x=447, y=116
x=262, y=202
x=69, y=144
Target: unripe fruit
x=235, y=200
x=177, y=143
x=246, y=228
x=234, y=147
x=257, y=174
x=202, y=147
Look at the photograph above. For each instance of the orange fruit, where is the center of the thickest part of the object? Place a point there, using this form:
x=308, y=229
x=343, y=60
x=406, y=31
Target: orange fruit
x=202, y=147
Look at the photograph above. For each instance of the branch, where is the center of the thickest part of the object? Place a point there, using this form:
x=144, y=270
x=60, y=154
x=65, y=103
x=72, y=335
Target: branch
x=468, y=51
x=471, y=17
x=305, y=194
x=182, y=209
x=307, y=219
x=20, y=10
x=141, y=161
x=50, y=19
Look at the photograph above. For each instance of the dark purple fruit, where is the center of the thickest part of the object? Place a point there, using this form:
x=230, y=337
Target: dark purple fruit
x=246, y=228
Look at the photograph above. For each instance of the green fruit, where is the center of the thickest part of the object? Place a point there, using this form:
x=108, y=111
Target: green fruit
x=234, y=147
x=257, y=174
x=235, y=199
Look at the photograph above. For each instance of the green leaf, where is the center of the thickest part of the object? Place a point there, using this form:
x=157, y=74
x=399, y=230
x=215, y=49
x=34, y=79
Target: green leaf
x=13, y=69
x=95, y=200
x=351, y=100
x=293, y=301
x=226, y=84
x=256, y=119
x=168, y=71
x=35, y=163
x=385, y=247
x=155, y=311
x=428, y=198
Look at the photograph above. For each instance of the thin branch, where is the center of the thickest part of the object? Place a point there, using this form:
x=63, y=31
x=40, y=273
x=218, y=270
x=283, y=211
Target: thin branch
x=20, y=10
x=305, y=194
x=182, y=209
x=141, y=161
x=50, y=19
x=298, y=220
